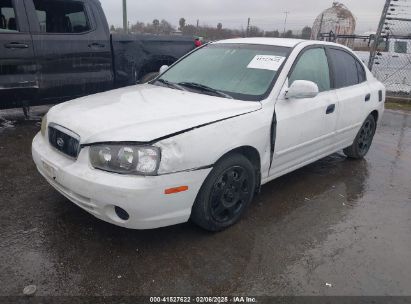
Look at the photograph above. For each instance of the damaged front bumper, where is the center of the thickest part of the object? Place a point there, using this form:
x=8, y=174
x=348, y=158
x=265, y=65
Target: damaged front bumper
x=99, y=192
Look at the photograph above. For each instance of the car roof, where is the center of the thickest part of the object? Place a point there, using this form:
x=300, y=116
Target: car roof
x=287, y=42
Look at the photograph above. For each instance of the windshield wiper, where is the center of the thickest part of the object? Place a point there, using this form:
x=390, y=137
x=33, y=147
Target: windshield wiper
x=171, y=84
x=204, y=88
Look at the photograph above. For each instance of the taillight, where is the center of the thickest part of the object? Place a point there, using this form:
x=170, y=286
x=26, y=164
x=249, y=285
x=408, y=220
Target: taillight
x=197, y=43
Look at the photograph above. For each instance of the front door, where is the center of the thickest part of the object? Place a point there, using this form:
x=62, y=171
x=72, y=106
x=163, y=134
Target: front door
x=18, y=79
x=305, y=127
x=72, y=47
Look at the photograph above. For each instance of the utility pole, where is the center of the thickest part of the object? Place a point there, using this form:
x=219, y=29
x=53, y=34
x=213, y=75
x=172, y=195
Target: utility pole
x=198, y=22
x=125, y=23
x=248, y=28
x=285, y=21
x=378, y=34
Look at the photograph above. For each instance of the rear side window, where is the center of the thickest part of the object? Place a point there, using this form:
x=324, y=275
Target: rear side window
x=347, y=70
x=312, y=66
x=8, y=22
x=62, y=16
x=361, y=72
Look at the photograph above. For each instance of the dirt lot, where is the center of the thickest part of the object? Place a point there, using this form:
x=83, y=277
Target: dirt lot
x=336, y=227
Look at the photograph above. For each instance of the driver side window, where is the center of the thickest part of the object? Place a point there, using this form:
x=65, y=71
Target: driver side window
x=312, y=66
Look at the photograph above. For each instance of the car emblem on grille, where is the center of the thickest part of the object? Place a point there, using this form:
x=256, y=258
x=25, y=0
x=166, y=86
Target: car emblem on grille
x=60, y=142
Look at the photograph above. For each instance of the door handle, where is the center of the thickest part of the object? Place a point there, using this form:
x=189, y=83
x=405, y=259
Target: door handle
x=330, y=109
x=367, y=97
x=16, y=45
x=96, y=45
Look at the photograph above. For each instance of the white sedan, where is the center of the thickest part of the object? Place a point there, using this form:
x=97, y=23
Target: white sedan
x=198, y=141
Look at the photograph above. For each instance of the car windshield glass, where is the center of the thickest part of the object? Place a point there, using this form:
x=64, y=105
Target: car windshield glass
x=240, y=71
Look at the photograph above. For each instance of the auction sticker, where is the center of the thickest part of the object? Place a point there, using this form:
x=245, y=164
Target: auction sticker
x=266, y=62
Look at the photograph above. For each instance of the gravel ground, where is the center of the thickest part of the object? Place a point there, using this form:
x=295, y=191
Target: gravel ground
x=335, y=227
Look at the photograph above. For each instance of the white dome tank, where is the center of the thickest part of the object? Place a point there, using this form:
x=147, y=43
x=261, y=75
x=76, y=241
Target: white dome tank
x=337, y=19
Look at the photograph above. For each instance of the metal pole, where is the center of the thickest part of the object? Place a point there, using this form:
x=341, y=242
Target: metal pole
x=285, y=21
x=321, y=27
x=248, y=27
x=378, y=34
x=125, y=23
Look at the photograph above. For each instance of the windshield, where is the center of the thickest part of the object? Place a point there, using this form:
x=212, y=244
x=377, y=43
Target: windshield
x=240, y=71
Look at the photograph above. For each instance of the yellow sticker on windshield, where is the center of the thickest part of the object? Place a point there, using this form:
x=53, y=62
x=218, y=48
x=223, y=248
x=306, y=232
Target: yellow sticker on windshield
x=266, y=62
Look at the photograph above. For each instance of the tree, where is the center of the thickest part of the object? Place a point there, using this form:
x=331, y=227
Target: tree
x=166, y=27
x=112, y=28
x=182, y=23
x=306, y=32
x=156, y=25
x=219, y=26
x=138, y=27
x=275, y=33
x=189, y=30
x=288, y=34
x=255, y=31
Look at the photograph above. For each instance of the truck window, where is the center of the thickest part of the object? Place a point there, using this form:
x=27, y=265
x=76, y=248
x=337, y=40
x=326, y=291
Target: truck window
x=7, y=17
x=62, y=16
x=400, y=47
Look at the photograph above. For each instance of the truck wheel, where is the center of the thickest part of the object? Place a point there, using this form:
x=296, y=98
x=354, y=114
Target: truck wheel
x=150, y=76
x=363, y=140
x=225, y=194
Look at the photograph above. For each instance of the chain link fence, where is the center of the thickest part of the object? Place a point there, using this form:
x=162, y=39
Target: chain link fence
x=392, y=61
x=390, y=58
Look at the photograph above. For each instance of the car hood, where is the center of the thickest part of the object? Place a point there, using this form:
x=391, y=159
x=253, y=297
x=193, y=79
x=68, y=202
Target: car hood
x=143, y=113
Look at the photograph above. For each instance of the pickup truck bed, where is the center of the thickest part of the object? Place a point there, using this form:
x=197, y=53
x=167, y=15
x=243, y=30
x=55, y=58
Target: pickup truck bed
x=143, y=54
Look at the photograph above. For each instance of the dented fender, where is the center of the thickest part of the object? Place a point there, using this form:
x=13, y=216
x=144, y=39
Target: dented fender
x=202, y=147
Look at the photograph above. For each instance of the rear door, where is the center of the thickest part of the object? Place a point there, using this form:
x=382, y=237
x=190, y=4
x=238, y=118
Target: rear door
x=305, y=127
x=18, y=79
x=352, y=92
x=72, y=47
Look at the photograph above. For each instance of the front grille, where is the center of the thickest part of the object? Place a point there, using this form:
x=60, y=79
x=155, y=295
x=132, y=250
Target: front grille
x=64, y=140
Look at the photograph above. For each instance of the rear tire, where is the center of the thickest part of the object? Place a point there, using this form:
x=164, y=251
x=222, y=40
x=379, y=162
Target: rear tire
x=363, y=140
x=225, y=194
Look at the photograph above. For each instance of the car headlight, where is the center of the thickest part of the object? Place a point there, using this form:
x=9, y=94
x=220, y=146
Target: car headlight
x=126, y=159
x=44, y=125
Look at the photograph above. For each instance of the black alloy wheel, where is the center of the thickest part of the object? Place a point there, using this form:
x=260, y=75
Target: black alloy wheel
x=225, y=194
x=230, y=193
x=363, y=140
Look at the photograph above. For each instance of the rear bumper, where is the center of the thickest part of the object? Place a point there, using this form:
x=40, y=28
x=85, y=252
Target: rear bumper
x=99, y=192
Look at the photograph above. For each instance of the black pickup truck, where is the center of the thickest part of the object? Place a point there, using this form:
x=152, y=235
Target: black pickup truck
x=55, y=50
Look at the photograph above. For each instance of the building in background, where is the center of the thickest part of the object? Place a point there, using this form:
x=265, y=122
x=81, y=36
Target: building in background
x=337, y=19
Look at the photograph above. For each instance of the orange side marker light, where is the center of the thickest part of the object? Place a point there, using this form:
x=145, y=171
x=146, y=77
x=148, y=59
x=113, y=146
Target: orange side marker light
x=176, y=190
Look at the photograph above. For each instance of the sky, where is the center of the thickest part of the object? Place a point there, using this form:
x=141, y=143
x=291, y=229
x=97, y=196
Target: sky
x=266, y=14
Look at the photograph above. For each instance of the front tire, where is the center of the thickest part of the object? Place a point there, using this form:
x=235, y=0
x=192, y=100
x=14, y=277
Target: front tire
x=363, y=140
x=225, y=194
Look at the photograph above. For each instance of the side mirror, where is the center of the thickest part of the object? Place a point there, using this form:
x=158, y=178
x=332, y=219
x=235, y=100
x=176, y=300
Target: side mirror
x=302, y=89
x=163, y=69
